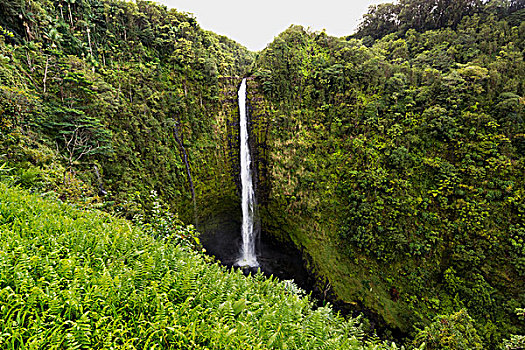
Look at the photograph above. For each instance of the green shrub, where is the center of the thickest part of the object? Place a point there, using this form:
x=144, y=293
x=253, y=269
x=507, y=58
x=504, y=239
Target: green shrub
x=516, y=342
x=450, y=332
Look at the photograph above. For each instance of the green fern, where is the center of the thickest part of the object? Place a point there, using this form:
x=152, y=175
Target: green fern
x=72, y=279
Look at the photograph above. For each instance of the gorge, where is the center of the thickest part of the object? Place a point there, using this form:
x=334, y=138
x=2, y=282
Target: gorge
x=387, y=165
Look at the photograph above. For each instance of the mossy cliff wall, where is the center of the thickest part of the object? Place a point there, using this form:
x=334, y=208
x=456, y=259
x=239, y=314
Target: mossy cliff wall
x=303, y=170
x=217, y=167
x=308, y=219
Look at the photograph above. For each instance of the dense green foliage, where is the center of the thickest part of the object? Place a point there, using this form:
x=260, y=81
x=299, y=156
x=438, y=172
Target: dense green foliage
x=403, y=15
x=400, y=167
x=395, y=158
x=450, y=332
x=516, y=341
x=108, y=83
x=73, y=279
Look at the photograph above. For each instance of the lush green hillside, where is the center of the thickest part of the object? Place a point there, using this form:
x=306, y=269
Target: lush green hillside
x=79, y=279
x=131, y=88
x=399, y=166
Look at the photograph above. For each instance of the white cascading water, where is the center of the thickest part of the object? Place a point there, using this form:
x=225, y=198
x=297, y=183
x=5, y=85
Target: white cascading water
x=248, y=256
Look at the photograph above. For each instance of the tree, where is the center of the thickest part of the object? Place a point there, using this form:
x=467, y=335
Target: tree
x=450, y=332
x=18, y=109
x=380, y=20
x=80, y=136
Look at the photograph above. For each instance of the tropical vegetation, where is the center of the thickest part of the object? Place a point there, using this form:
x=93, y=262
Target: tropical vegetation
x=393, y=158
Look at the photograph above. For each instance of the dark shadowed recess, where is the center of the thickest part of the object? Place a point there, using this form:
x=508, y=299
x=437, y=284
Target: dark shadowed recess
x=221, y=237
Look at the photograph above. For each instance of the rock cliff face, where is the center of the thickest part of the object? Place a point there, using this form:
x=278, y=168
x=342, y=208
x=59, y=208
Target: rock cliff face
x=219, y=187
x=259, y=115
x=224, y=197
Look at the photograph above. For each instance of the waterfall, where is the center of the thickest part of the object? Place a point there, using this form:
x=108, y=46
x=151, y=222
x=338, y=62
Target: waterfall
x=248, y=257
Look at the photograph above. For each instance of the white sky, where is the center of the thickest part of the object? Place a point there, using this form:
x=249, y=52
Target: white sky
x=254, y=23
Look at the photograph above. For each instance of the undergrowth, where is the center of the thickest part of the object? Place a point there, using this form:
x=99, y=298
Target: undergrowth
x=82, y=279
